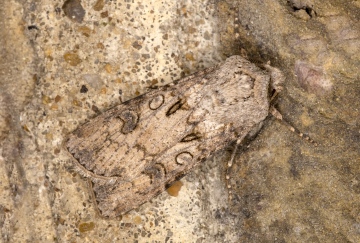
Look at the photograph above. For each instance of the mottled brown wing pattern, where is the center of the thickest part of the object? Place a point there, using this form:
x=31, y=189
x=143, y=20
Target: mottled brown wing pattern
x=134, y=150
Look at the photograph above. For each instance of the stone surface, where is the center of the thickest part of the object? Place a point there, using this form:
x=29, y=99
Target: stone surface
x=285, y=189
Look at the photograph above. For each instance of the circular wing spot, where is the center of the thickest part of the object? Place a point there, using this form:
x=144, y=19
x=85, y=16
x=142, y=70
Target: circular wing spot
x=130, y=119
x=156, y=102
x=183, y=158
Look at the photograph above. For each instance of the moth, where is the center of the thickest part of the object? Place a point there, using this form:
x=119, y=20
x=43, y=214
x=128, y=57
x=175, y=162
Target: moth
x=135, y=150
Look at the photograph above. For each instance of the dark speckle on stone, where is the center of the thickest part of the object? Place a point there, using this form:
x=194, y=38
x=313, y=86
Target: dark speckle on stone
x=104, y=14
x=74, y=10
x=136, y=45
x=58, y=10
x=33, y=27
x=83, y=89
x=95, y=109
x=146, y=56
x=99, y=5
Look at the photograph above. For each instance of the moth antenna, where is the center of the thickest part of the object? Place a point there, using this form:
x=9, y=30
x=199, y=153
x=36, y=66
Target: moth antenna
x=275, y=113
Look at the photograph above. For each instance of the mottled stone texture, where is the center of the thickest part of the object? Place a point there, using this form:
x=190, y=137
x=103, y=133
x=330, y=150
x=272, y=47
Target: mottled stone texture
x=284, y=188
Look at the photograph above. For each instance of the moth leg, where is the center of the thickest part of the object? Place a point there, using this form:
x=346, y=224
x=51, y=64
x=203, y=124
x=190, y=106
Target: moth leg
x=275, y=113
x=229, y=165
x=276, y=78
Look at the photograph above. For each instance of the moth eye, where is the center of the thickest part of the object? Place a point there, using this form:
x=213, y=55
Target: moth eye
x=156, y=102
x=130, y=119
x=174, y=108
x=184, y=158
x=190, y=137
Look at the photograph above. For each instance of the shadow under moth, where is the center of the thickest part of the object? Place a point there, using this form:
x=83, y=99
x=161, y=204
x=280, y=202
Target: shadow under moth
x=135, y=150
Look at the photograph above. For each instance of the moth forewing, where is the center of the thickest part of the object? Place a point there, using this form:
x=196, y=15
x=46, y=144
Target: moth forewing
x=134, y=150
